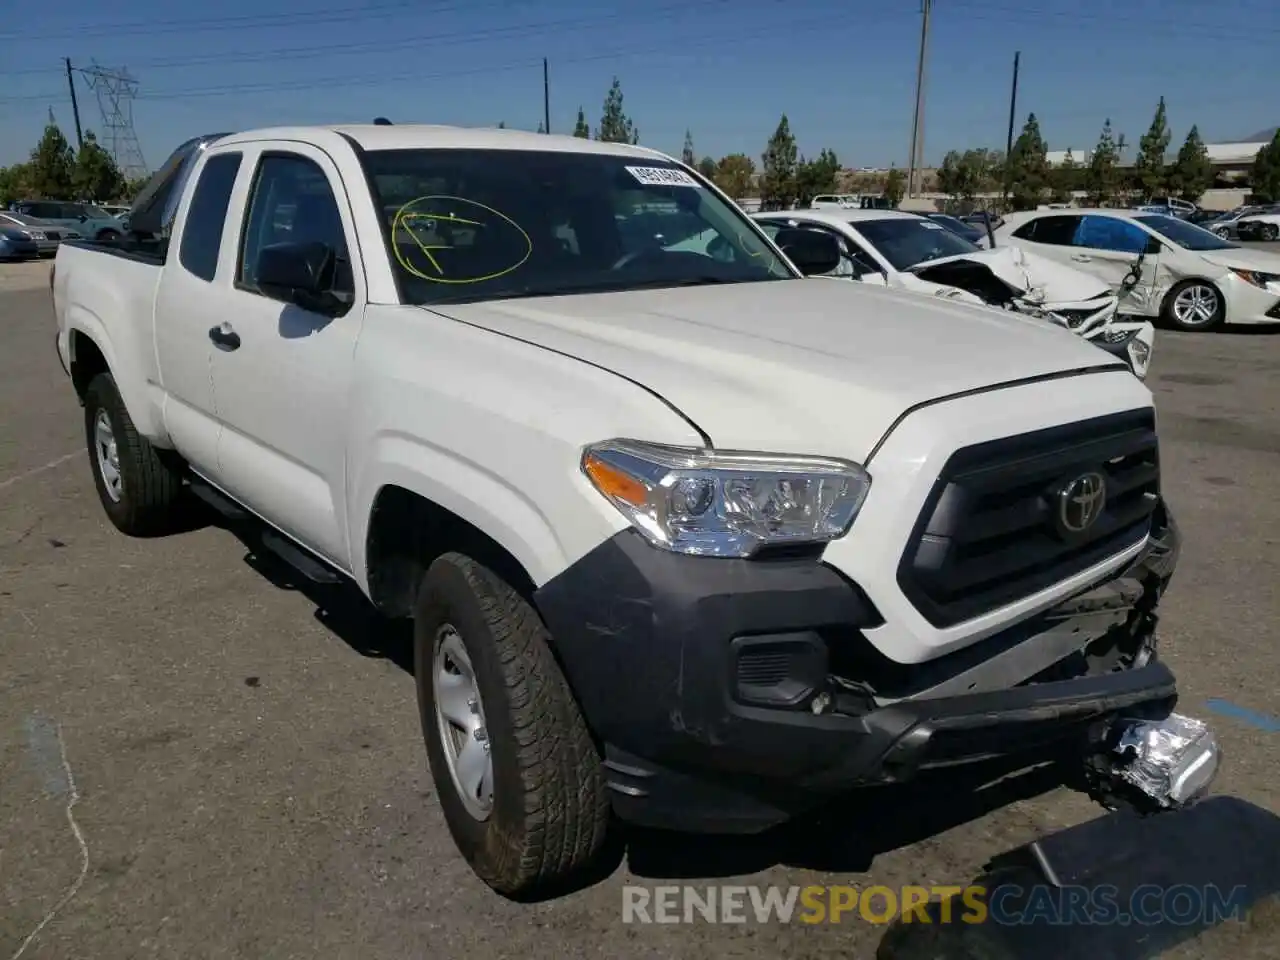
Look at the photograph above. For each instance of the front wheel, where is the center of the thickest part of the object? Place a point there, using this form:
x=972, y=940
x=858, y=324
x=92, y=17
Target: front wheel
x=1194, y=305
x=108, y=236
x=517, y=773
x=138, y=489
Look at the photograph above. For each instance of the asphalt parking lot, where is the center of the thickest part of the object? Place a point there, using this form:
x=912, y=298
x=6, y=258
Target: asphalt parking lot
x=199, y=760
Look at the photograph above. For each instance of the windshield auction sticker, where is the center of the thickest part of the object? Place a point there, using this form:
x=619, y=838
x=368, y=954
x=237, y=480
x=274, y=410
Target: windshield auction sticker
x=662, y=177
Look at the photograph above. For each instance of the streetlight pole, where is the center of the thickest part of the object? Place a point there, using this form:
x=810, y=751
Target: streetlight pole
x=917, y=122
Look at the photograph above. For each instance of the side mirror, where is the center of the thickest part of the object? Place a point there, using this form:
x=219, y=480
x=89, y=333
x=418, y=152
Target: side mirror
x=82, y=218
x=1154, y=246
x=299, y=273
x=812, y=251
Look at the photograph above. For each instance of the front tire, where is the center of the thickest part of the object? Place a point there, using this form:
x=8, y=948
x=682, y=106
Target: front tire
x=517, y=773
x=138, y=490
x=1194, y=305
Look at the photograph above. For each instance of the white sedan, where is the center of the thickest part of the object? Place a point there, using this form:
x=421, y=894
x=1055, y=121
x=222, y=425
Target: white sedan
x=1159, y=266
x=911, y=252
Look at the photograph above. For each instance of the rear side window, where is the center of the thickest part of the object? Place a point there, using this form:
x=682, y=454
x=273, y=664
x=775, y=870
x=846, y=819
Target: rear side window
x=1056, y=231
x=202, y=233
x=1110, y=233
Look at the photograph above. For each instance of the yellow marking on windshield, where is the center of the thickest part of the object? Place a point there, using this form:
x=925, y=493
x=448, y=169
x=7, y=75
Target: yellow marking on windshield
x=404, y=214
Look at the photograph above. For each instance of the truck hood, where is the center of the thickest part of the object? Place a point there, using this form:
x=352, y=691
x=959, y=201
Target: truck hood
x=1036, y=278
x=790, y=366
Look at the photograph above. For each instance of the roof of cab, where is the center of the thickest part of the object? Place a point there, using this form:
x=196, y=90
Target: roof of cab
x=422, y=136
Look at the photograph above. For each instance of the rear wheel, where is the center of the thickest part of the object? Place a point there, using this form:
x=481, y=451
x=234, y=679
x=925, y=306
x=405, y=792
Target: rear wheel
x=1270, y=231
x=138, y=489
x=1194, y=305
x=517, y=773
x=108, y=236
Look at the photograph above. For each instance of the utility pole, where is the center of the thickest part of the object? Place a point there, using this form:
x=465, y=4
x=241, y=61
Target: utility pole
x=1008, y=148
x=917, y=122
x=75, y=107
x=546, y=98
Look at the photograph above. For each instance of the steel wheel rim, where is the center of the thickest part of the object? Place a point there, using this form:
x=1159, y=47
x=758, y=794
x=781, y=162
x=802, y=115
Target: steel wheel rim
x=104, y=444
x=1196, y=306
x=461, y=720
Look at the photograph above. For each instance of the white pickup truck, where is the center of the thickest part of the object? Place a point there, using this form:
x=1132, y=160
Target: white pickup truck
x=693, y=542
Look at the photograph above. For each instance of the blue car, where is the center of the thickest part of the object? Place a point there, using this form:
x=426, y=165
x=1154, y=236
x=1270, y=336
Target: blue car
x=16, y=244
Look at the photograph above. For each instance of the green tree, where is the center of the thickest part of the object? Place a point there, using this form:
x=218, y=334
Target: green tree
x=734, y=175
x=49, y=170
x=707, y=166
x=895, y=186
x=1028, y=167
x=687, y=155
x=580, y=129
x=814, y=177
x=1065, y=179
x=14, y=183
x=1100, y=177
x=1265, y=177
x=778, y=169
x=615, y=125
x=95, y=175
x=1192, y=172
x=1148, y=167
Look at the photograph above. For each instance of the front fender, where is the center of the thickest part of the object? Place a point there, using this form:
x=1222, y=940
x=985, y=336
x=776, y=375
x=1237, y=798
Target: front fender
x=491, y=503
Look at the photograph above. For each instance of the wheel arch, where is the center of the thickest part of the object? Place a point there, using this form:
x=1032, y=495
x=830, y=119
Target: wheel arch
x=408, y=530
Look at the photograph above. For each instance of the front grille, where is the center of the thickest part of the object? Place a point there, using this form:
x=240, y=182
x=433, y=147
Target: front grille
x=991, y=531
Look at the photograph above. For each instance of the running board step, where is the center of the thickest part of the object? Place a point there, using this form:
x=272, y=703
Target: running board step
x=223, y=505
x=307, y=565
x=299, y=559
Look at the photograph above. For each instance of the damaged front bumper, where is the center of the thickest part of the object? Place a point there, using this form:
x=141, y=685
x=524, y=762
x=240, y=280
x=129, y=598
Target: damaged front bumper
x=730, y=695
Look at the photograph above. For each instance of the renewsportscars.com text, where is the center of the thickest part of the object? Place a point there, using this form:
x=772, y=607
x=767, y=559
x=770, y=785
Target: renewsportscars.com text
x=1182, y=904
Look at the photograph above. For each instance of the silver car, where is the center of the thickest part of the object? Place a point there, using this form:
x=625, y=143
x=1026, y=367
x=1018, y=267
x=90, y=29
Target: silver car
x=46, y=235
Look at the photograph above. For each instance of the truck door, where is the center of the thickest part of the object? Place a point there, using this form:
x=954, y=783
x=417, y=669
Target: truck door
x=281, y=373
x=188, y=281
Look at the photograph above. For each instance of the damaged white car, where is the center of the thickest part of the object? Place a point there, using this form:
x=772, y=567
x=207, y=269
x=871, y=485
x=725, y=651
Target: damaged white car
x=1160, y=267
x=910, y=252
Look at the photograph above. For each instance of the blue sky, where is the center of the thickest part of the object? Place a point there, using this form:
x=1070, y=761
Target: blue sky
x=843, y=70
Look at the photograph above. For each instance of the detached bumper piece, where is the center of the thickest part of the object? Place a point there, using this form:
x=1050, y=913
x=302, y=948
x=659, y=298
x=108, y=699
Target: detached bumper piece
x=1161, y=765
x=730, y=695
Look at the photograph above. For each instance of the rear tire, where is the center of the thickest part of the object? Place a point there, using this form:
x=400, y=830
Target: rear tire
x=108, y=236
x=548, y=812
x=138, y=490
x=1270, y=231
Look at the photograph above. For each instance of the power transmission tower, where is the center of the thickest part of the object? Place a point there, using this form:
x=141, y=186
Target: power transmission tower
x=115, y=90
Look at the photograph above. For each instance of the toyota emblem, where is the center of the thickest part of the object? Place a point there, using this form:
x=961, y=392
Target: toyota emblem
x=1081, y=502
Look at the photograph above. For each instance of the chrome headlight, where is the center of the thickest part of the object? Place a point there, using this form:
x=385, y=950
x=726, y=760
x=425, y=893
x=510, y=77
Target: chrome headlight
x=1256, y=277
x=726, y=504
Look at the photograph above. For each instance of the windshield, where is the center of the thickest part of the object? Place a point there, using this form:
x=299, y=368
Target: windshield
x=488, y=224
x=909, y=242
x=1186, y=235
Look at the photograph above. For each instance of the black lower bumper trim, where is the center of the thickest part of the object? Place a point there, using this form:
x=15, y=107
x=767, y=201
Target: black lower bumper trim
x=674, y=660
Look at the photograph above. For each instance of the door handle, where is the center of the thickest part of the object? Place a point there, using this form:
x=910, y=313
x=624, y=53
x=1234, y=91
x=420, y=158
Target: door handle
x=1081, y=258
x=224, y=338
